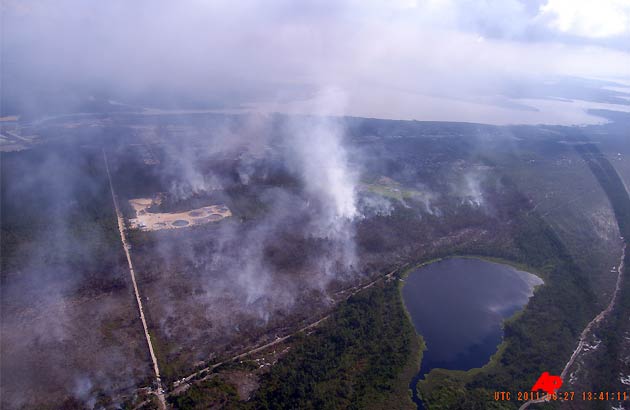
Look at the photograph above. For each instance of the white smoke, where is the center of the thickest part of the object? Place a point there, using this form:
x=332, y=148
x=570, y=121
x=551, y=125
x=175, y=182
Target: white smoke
x=374, y=205
x=325, y=173
x=190, y=179
x=83, y=390
x=316, y=143
x=472, y=193
x=469, y=189
x=427, y=199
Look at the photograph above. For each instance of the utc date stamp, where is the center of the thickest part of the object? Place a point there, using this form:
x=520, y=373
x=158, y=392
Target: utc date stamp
x=562, y=396
x=550, y=385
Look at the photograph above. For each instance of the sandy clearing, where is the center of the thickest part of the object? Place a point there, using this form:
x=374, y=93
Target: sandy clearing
x=150, y=221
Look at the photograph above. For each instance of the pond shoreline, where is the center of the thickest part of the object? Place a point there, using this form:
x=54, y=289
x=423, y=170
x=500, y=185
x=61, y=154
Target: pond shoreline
x=500, y=347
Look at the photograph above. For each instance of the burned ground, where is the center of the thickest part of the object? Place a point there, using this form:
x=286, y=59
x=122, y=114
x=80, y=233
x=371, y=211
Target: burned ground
x=69, y=324
x=295, y=239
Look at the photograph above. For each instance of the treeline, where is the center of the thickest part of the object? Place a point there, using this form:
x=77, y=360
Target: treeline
x=362, y=357
x=611, y=183
x=544, y=335
x=609, y=365
x=209, y=394
x=539, y=339
x=57, y=214
x=352, y=362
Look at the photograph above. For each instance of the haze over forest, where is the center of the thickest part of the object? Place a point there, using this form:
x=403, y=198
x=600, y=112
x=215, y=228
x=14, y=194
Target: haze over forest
x=218, y=204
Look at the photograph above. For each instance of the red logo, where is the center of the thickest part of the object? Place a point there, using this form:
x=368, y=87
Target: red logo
x=549, y=384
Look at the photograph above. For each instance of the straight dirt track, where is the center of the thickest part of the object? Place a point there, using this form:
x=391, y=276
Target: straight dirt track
x=123, y=237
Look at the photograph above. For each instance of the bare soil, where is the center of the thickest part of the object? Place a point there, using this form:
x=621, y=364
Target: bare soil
x=153, y=221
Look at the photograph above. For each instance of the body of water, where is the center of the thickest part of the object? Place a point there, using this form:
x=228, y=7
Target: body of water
x=458, y=306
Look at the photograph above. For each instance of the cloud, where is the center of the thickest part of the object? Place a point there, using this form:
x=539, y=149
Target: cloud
x=391, y=59
x=586, y=18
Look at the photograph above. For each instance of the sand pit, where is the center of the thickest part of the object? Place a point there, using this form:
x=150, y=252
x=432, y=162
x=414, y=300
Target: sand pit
x=149, y=221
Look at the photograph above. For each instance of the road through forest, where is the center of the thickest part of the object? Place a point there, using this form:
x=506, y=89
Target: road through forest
x=587, y=330
x=183, y=383
x=123, y=237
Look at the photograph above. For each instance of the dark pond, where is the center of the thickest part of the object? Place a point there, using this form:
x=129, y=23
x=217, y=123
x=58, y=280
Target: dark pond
x=458, y=306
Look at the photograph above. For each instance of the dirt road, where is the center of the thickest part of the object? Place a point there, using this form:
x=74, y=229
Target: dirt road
x=126, y=247
x=182, y=384
x=589, y=327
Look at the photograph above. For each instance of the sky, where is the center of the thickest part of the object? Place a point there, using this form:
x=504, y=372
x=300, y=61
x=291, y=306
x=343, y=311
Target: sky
x=490, y=61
